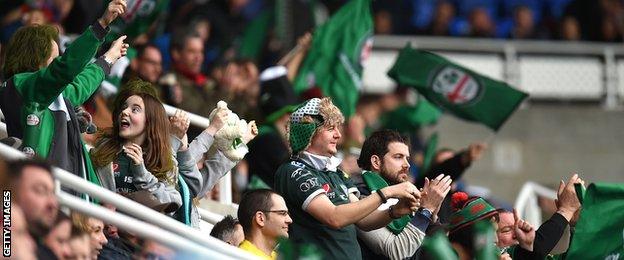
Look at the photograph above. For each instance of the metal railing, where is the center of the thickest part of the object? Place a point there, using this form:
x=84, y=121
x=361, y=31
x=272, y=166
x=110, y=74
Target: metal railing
x=527, y=204
x=133, y=209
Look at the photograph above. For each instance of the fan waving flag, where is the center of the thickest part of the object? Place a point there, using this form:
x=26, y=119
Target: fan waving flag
x=334, y=62
x=461, y=91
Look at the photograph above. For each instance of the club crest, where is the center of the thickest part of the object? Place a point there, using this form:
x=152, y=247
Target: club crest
x=456, y=86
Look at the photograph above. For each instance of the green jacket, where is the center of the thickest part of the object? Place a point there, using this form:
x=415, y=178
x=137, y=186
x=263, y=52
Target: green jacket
x=33, y=102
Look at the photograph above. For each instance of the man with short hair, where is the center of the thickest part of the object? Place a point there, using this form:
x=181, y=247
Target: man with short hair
x=323, y=200
x=385, y=161
x=264, y=217
x=33, y=190
x=147, y=65
x=229, y=231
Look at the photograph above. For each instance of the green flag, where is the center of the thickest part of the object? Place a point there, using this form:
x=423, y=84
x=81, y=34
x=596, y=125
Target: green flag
x=333, y=63
x=289, y=250
x=430, y=151
x=255, y=35
x=438, y=247
x=599, y=233
x=461, y=91
x=408, y=118
x=483, y=241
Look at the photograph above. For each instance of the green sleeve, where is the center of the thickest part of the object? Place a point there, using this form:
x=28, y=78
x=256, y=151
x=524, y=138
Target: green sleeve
x=84, y=84
x=44, y=85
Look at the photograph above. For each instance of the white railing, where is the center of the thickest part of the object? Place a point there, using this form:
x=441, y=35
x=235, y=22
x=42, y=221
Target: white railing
x=527, y=204
x=136, y=210
x=139, y=228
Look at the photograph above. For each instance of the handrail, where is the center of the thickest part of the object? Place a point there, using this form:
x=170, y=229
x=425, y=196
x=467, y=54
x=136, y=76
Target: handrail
x=527, y=199
x=208, y=216
x=132, y=208
x=496, y=45
x=140, y=228
x=196, y=120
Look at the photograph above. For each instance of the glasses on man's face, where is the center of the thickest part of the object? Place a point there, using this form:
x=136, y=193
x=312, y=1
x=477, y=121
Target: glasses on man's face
x=279, y=212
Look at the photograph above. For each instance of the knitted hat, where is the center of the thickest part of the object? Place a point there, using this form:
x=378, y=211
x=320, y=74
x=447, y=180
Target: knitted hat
x=277, y=96
x=300, y=133
x=468, y=211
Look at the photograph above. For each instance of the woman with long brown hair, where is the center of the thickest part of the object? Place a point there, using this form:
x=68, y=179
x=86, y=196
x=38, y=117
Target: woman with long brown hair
x=136, y=153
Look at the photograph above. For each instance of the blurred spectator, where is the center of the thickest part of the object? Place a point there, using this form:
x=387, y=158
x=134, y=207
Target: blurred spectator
x=523, y=23
x=383, y=22
x=270, y=148
x=79, y=244
x=95, y=228
x=229, y=231
x=23, y=246
x=58, y=238
x=147, y=65
x=33, y=190
x=480, y=23
x=442, y=19
x=569, y=29
x=610, y=31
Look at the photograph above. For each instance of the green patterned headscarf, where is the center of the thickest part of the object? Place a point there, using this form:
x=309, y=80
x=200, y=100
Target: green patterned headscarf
x=300, y=133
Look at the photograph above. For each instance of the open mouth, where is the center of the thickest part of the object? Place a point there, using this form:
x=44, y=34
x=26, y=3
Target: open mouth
x=124, y=123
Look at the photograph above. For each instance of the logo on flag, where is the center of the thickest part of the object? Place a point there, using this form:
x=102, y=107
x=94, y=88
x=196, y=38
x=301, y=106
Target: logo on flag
x=456, y=86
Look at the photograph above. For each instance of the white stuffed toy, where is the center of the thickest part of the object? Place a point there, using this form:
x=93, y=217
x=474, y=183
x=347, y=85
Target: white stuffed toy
x=230, y=138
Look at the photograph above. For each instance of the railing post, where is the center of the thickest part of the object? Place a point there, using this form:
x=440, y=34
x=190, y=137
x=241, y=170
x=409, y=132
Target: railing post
x=225, y=189
x=610, y=79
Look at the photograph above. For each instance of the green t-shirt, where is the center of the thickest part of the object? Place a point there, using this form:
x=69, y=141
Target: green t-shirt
x=299, y=183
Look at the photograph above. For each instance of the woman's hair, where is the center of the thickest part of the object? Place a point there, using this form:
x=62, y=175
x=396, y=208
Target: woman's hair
x=156, y=148
x=29, y=49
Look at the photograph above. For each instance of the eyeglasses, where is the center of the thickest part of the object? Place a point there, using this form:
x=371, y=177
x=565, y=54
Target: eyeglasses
x=279, y=212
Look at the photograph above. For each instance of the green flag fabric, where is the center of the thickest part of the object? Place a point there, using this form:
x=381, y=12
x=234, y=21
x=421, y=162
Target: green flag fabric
x=289, y=250
x=374, y=182
x=461, y=91
x=408, y=118
x=484, y=241
x=438, y=247
x=255, y=35
x=430, y=151
x=599, y=232
x=333, y=63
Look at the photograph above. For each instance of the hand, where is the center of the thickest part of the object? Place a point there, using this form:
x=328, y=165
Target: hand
x=179, y=124
x=117, y=50
x=567, y=201
x=434, y=192
x=402, y=191
x=218, y=120
x=135, y=152
x=474, y=152
x=252, y=132
x=525, y=233
x=404, y=207
x=115, y=9
x=505, y=256
x=304, y=41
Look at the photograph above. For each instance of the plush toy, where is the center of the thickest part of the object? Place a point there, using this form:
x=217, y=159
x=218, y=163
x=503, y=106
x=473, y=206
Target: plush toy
x=230, y=138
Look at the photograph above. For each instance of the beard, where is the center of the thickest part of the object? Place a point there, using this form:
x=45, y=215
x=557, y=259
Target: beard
x=392, y=177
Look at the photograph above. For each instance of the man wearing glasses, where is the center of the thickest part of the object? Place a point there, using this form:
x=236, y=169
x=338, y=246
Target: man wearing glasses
x=264, y=217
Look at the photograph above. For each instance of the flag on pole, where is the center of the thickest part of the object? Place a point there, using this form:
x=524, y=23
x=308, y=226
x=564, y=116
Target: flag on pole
x=461, y=91
x=599, y=232
x=334, y=62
